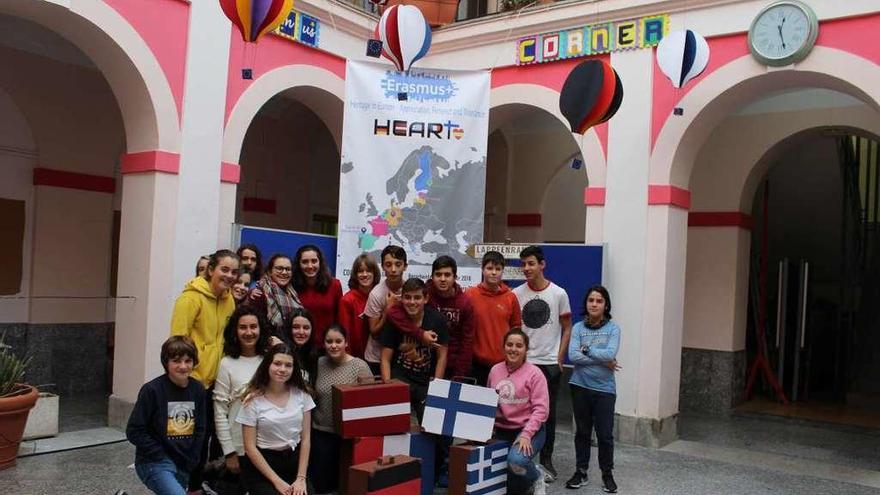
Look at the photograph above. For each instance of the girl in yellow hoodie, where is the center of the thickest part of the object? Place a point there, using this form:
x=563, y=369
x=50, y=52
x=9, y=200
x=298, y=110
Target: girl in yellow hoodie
x=202, y=310
x=201, y=313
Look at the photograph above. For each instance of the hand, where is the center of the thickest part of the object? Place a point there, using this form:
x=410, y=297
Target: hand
x=390, y=300
x=273, y=340
x=282, y=487
x=232, y=463
x=525, y=445
x=255, y=294
x=560, y=360
x=298, y=487
x=612, y=365
x=429, y=338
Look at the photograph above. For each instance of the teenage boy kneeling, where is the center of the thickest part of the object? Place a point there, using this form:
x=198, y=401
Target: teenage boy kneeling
x=167, y=424
x=411, y=360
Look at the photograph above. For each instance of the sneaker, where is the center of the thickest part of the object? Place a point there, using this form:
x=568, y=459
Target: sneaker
x=540, y=487
x=550, y=473
x=121, y=492
x=608, y=483
x=577, y=480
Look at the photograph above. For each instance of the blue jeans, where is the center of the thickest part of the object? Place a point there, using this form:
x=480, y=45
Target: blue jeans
x=163, y=477
x=521, y=469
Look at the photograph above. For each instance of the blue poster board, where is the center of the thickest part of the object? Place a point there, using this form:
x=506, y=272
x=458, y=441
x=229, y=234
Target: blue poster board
x=574, y=267
x=271, y=241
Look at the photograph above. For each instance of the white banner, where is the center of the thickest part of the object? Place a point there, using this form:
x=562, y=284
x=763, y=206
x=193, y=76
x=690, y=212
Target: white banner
x=413, y=168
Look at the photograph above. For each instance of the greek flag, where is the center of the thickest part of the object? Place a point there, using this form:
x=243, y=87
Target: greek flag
x=487, y=470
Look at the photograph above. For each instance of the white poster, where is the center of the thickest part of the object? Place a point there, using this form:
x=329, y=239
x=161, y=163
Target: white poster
x=413, y=168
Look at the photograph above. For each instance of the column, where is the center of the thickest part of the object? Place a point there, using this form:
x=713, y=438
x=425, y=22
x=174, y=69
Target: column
x=635, y=235
x=207, y=66
x=145, y=287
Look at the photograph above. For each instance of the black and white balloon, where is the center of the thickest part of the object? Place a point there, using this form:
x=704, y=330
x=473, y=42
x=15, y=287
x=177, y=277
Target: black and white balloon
x=682, y=56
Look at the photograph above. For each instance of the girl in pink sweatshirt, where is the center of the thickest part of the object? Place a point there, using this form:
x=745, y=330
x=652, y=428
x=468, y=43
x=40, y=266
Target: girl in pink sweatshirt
x=523, y=402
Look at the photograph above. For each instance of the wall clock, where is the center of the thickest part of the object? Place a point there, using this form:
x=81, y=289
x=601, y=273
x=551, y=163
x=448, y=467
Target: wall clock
x=783, y=33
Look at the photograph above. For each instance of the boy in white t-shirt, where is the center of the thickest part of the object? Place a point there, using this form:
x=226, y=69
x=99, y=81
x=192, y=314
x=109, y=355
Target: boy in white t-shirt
x=546, y=317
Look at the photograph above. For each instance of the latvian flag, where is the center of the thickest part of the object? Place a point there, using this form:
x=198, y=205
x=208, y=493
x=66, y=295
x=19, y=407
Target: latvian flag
x=487, y=470
x=371, y=410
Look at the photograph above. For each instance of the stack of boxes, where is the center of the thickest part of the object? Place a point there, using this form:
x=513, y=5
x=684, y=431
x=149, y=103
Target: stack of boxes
x=383, y=453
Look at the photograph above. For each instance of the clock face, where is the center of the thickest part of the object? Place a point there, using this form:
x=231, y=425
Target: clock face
x=782, y=33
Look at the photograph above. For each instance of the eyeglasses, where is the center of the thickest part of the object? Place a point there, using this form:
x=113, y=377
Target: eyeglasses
x=282, y=269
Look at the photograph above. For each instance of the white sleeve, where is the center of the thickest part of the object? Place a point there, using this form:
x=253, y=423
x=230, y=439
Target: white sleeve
x=374, y=306
x=247, y=415
x=308, y=402
x=564, y=305
x=222, y=399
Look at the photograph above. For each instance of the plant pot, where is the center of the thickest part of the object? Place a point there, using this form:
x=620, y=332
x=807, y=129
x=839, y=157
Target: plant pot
x=42, y=422
x=436, y=12
x=13, y=416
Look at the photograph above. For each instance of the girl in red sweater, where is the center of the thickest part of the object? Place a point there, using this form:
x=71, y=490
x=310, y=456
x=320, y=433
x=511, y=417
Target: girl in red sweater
x=364, y=276
x=318, y=291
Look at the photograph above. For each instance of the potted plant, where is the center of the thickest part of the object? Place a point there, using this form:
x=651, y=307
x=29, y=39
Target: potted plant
x=16, y=401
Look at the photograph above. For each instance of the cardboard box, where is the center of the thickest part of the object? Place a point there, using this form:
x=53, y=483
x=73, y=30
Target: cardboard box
x=371, y=409
x=478, y=468
x=388, y=475
x=460, y=410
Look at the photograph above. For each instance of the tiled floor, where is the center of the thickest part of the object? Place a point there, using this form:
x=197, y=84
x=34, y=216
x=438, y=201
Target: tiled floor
x=737, y=456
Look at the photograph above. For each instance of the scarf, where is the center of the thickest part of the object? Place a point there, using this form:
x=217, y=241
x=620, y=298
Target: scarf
x=280, y=301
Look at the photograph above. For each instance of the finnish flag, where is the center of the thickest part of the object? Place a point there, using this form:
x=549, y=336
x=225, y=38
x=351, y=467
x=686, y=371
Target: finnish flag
x=487, y=470
x=460, y=410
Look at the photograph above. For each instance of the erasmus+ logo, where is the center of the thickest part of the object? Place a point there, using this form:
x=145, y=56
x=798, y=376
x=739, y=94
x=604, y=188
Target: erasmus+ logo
x=418, y=86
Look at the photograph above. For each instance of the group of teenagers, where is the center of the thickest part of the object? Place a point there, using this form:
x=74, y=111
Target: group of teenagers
x=255, y=351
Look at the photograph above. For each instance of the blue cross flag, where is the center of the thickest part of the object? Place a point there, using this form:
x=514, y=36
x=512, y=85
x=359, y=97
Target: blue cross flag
x=487, y=469
x=460, y=410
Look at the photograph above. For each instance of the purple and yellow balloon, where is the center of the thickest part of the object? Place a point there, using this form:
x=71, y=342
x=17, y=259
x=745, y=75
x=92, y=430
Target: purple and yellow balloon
x=254, y=18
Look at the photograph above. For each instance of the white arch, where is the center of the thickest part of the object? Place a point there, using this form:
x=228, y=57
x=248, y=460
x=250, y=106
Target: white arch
x=142, y=92
x=314, y=80
x=546, y=99
x=724, y=182
x=740, y=81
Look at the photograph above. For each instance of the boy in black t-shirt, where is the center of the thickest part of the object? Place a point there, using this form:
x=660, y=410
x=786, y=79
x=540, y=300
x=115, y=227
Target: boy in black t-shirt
x=408, y=359
x=167, y=424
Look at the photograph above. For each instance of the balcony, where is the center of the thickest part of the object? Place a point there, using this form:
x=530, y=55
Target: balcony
x=467, y=9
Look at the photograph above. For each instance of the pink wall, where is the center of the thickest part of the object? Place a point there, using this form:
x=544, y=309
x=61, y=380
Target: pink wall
x=164, y=26
x=272, y=52
x=843, y=34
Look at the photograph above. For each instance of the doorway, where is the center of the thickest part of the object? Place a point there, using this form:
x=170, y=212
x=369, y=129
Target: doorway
x=814, y=255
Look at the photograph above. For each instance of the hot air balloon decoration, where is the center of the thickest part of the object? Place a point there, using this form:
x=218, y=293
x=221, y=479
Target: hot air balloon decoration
x=254, y=18
x=405, y=35
x=592, y=94
x=682, y=56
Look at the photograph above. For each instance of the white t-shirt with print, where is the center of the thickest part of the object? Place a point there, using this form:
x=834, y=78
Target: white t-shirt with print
x=278, y=428
x=376, y=302
x=541, y=311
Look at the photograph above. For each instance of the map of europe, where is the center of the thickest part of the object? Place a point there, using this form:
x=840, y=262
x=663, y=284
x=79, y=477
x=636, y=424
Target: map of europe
x=431, y=207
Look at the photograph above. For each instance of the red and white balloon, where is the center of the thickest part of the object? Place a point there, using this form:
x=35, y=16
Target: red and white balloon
x=405, y=35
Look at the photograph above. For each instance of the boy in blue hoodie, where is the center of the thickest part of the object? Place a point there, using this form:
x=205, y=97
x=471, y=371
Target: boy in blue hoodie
x=167, y=424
